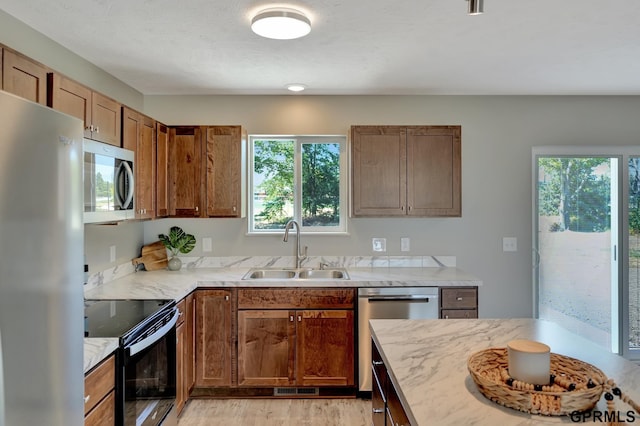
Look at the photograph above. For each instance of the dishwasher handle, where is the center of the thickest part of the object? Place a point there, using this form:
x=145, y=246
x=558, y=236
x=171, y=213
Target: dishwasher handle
x=406, y=298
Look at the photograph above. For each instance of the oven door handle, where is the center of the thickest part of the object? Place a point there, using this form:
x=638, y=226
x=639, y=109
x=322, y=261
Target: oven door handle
x=145, y=343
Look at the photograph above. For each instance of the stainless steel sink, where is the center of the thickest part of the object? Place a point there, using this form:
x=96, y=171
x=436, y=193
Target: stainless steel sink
x=323, y=274
x=261, y=274
x=294, y=274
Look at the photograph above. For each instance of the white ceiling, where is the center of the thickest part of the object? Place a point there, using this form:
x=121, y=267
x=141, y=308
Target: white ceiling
x=355, y=46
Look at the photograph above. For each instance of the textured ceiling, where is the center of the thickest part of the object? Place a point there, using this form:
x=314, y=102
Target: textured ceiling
x=355, y=46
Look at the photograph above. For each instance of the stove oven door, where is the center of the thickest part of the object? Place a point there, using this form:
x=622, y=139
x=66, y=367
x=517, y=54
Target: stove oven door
x=149, y=382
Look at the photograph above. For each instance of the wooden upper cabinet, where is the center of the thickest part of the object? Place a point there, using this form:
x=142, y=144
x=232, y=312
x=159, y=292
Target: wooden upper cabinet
x=185, y=180
x=225, y=171
x=101, y=115
x=138, y=135
x=379, y=156
x=406, y=171
x=24, y=77
x=162, y=170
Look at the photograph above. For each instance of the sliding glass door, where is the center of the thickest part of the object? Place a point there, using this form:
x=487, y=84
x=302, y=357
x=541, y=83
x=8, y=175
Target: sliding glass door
x=587, y=242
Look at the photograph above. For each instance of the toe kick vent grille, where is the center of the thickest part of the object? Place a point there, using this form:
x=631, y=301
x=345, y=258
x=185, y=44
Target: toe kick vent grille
x=295, y=391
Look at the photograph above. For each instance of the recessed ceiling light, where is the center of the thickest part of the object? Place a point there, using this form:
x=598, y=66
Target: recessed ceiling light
x=296, y=87
x=281, y=24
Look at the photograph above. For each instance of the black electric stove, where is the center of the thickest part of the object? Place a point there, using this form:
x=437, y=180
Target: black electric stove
x=122, y=318
x=145, y=359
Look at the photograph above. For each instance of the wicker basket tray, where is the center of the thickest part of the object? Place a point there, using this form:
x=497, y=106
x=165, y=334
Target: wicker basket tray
x=577, y=385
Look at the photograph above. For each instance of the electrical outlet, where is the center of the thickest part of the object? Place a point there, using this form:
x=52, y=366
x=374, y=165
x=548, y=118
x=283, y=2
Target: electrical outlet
x=379, y=244
x=509, y=244
x=112, y=253
x=206, y=244
x=405, y=244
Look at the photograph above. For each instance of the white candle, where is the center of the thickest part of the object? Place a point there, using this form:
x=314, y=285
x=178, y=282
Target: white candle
x=529, y=361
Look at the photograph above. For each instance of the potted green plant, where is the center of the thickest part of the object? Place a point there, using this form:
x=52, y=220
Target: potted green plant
x=177, y=241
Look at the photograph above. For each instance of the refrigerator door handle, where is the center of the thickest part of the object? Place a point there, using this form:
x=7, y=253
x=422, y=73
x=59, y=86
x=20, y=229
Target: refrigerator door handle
x=1, y=384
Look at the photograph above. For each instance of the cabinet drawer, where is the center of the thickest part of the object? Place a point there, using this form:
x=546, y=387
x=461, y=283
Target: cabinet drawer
x=99, y=382
x=459, y=298
x=459, y=313
x=279, y=298
x=103, y=414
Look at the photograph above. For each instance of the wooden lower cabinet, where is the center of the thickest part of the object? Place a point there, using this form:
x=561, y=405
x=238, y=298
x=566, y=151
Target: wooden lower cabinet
x=213, y=333
x=458, y=302
x=266, y=348
x=295, y=347
x=386, y=408
x=99, y=394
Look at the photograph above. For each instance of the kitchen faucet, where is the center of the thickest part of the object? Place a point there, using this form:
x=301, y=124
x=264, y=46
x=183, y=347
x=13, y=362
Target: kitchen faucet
x=299, y=256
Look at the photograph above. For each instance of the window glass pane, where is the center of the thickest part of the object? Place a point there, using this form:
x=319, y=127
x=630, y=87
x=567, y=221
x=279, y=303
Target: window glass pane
x=273, y=183
x=320, y=184
x=634, y=253
x=575, y=245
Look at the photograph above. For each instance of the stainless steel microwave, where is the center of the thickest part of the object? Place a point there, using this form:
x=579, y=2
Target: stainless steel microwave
x=108, y=183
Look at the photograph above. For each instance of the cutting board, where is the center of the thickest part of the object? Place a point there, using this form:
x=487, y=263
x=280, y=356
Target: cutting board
x=154, y=257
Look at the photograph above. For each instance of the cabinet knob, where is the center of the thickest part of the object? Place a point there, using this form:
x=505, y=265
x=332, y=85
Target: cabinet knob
x=299, y=318
x=196, y=209
x=446, y=317
x=378, y=362
x=378, y=410
x=97, y=129
x=459, y=299
x=87, y=398
x=291, y=318
x=226, y=297
x=234, y=209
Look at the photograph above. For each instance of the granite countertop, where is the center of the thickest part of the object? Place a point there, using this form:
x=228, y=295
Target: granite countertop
x=178, y=284
x=427, y=362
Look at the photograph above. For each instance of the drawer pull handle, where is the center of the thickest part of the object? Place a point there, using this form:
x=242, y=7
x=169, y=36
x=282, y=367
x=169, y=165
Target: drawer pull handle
x=378, y=362
x=378, y=410
x=87, y=398
x=459, y=299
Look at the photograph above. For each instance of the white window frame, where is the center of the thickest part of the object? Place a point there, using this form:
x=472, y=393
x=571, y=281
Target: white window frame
x=341, y=229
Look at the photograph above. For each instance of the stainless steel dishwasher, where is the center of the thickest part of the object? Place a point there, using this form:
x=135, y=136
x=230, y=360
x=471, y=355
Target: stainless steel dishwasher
x=389, y=303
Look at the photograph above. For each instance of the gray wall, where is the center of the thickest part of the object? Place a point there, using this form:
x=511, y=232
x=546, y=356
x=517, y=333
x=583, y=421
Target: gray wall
x=497, y=136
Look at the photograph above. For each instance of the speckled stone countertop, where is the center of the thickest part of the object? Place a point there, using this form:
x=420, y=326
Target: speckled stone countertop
x=427, y=363
x=178, y=284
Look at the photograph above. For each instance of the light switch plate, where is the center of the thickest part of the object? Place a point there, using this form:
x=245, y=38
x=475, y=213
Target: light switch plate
x=509, y=244
x=405, y=244
x=379, y=244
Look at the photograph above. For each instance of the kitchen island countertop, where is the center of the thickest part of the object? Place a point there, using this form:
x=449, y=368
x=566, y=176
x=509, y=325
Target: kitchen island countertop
x=427, y=363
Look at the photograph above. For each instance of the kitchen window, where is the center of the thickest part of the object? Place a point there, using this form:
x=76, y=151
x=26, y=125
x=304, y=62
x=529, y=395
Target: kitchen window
x=297, y=177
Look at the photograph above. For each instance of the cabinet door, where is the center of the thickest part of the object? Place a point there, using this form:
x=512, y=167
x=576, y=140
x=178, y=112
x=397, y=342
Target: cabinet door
x=224, y=151
x=190, y=364
x=181, y=391
x=379, y=170
x=185, y=146
x=266, y=348
x=325, y=348
x=162, y=169
x=213, y=338
x=104, y=414
x=24, y=77
x=138, y=135
x=434, y=171
x=106, y=119
x=71, y=98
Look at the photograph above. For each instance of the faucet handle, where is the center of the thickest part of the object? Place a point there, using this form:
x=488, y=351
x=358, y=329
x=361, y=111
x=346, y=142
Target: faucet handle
x=323, y=265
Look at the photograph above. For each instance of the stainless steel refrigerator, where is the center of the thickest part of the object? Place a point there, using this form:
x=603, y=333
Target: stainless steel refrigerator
x=41, y=266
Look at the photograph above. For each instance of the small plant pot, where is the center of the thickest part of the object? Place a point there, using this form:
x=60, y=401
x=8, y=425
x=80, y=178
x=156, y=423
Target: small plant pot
x=175, y=263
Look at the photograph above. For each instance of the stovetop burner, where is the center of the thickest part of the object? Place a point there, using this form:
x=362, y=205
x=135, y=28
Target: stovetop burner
x=121, y=318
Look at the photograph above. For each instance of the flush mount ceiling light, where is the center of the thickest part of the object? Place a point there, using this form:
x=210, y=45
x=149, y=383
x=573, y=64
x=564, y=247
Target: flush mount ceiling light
x=476, y=7
x=281, y=24
x=296, y=87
